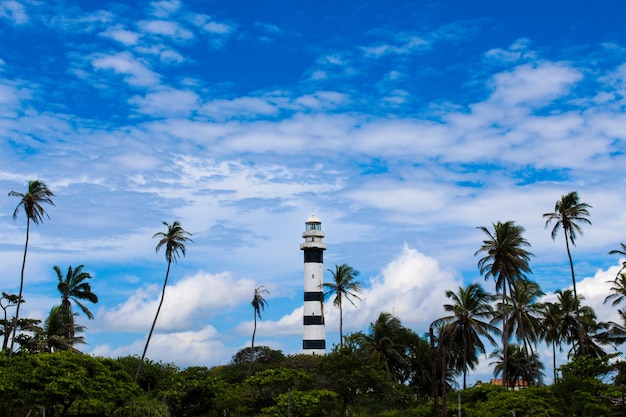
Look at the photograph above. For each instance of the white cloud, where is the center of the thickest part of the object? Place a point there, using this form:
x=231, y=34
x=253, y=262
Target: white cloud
x=14, y=11
x=135, y=71
x=125, y=37
x=534, y=84
x=187, y=303
x=167, y=28
x=167, y=102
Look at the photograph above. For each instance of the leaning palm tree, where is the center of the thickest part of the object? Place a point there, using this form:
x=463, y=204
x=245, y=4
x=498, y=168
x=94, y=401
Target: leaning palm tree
x=74, y=288
x=506, y=261
x=469, y=324
x=344, y=285
x=568, y=213
x=258, y=303
x=37, y=194
x=173, y=240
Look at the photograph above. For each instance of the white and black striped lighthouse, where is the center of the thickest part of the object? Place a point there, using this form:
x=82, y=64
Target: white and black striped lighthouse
x=314, y=338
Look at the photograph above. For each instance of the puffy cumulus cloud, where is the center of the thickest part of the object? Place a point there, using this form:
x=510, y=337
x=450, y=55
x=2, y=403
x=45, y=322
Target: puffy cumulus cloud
x=191, y=348
x=595, y=289
x=534, y=83
x=242, y=107
x=412, y=287
x=136, y=72
x=186, y=303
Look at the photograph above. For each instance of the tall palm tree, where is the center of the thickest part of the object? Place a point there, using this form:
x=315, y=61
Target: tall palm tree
x=506, y=260
x=74, y=288
x=173, y=240
x=37, y=194
x=258, y=303
x=344, y=285
x=468, y=324
x=568, y=213
x=551, y=330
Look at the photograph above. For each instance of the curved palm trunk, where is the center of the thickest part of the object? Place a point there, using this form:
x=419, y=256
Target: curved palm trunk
x=583, y=346
x=340, y=326
x=252, y=347
x=156, y=316
x=19, y=298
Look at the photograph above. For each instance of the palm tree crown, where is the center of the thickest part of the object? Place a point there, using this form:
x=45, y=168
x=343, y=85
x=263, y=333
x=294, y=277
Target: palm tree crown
x=468, y=324
x=37, y=194
x=73, y=288
x=344, y=285
x=568, y=213
x=174, y=241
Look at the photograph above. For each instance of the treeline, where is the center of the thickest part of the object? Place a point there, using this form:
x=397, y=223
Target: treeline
x=388, y=371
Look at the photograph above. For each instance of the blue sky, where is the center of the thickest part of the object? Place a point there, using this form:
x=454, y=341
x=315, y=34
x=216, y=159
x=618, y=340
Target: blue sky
x=402, y=127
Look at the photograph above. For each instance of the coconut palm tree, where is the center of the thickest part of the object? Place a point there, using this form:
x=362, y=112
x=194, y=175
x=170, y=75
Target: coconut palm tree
x=468, y=324
x=37, y=194
x=519, y=366
x=258, y=303
x=386, y=342
x=568, y=213
x=552, y=330
x=74, y=288
x=344, y=285
x=173, y=240
x=506, y=260
x=60, y=330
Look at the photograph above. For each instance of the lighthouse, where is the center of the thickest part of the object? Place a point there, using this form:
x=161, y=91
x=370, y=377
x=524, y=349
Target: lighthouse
x=314, y=337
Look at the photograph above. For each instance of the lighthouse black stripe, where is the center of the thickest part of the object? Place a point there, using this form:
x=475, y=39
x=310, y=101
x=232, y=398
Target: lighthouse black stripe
x=313, y=320
x=313, y=255
x=314, y=296
x=314, y=344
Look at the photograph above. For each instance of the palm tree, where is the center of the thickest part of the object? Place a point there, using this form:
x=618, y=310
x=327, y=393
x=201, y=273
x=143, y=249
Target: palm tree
x=37, y=194
x=619, y=283
x=466, y=326
x=174, y=240
x=60, y=330
x=386, y=342
x=551, y=333
x=258, y=303
x=506, y=261
x=618, y=290
x=344, y=285
x=568, y=212
x=519, y=366
x=74, y=288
